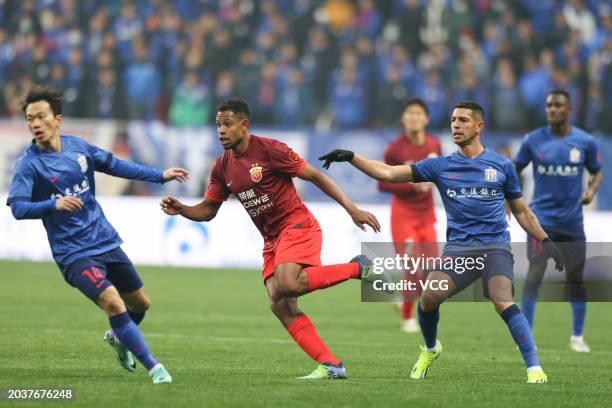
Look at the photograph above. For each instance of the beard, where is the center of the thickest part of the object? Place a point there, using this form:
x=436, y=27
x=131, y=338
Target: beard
x=466, y=141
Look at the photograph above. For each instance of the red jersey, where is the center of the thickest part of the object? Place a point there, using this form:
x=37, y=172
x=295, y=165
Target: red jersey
x=415, y=206
x=261, y=179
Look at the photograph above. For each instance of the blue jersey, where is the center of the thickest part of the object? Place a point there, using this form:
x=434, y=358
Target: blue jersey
x=558, y=164
x=41, y=177
x=473, y=192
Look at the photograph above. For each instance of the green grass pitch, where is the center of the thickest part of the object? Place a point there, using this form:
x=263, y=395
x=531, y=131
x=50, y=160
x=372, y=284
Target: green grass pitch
x=214, y=332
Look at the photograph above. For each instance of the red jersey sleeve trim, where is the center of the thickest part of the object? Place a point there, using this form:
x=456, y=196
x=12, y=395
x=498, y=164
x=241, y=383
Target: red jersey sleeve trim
x=301, y=168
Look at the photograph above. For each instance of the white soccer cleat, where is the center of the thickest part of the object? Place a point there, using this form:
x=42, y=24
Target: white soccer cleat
x=410, y=326
x=578, y=344
x=159, y=375
x=124, y=356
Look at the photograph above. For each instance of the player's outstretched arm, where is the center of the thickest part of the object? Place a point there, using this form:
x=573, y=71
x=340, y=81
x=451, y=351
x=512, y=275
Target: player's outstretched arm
x=327, y=185
x=529, y=222
x=203, y=211
x=378, y=170
x=134, y=171
x=176, y=173
x=592, y=187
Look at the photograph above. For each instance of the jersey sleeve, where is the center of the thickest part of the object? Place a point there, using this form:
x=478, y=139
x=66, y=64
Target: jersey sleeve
x=101, y=158
x=593, y=159
x=22, y=184
x=217, y=190
x=523, y=157
x=105, y=162
x=512, y=189
x=426, y=170
x=283, y=159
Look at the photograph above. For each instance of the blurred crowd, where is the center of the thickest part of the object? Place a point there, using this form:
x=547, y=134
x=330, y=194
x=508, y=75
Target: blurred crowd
x=339, y=63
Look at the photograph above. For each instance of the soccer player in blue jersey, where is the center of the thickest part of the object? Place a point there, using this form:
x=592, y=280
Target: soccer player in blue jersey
x=559, y=154
x=473, y=182
x=54, y=181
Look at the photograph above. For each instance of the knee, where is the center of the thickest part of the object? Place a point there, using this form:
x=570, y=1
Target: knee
x=137, y=302
x=429, y=301
x=112, y=304
x=286, y=287
x=279, y=308
x=500, y=296
x=275, y=307
x=533, y=280
x=143, y=304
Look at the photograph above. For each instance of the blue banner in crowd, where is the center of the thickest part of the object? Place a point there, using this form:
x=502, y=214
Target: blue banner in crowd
x=196, y=149
x=604, y=201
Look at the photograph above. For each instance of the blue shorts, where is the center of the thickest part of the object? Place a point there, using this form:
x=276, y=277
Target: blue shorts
x=573, y=248
x=93, y=274
x=485, y=264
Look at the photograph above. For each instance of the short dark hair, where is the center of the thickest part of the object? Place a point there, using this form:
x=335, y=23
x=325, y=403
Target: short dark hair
x=38, y=93
x=471, y=105
x=236, y=105
x=562, y=92
x=419, y=102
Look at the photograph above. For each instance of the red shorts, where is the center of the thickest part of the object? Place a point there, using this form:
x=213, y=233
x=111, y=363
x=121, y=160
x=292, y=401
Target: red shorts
x=406, y=239
x=301, y=246
x=414, y=241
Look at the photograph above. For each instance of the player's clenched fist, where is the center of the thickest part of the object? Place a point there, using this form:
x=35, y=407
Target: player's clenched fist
x=176, y=173
x=171, y=206
x=68, y=203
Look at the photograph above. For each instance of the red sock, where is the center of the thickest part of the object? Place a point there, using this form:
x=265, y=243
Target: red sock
x=321, y=277
x=407, y=308
x=305, y=335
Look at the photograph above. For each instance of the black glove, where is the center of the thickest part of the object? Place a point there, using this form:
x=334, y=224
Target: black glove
x=555, y=252
x=336, y=155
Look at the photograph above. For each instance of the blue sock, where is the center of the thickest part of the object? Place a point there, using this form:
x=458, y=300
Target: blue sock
x=530, y=297
x=577, y=294
x=429, y=325
x=137, y=317
x=521, y=333
x=129, y=335
x=578, y=317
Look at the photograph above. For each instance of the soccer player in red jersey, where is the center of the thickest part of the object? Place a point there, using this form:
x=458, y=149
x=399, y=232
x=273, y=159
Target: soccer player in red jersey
x=412, y=208
x=259, y=171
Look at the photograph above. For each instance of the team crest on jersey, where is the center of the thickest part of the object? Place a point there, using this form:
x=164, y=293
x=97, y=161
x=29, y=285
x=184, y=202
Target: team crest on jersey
x=256, y=172
x=490, y=174
x=82, y=160
x=293, y=156
x=574, y=155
